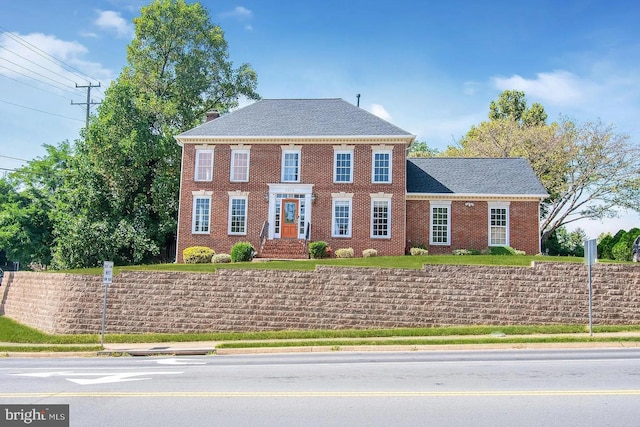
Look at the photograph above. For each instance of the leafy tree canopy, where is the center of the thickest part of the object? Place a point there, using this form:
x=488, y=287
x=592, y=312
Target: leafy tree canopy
x=421, y=149
x=120, y=201
x=588, y=169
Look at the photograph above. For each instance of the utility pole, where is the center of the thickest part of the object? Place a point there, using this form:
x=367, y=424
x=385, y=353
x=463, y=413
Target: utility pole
x=89, y=102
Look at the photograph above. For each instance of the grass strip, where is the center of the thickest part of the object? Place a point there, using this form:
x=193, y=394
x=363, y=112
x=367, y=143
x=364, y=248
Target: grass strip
x=430, y=342
x=47, y=349
x=14, y=332
x=407, y=261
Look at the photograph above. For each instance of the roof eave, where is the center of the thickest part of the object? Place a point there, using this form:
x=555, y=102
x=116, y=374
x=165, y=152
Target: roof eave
x=194, y=139
x=475, y=196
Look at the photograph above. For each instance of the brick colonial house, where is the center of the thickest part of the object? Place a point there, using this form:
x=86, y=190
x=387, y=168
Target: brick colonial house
x=282, y=172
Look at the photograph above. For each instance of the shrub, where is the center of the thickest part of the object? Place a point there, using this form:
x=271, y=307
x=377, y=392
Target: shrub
x=197, y=255
x=623, y=249
x=368, y=253
x=242, y=252
x=415, y=251
x=221, y=259
x=344, y=253
x=318, y=249
x=505, y=250
x=466, y=252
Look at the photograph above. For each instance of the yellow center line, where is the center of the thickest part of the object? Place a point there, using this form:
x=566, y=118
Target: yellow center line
x=320, y=394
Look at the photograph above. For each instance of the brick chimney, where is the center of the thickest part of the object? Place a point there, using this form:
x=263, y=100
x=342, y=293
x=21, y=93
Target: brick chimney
x=213, y=114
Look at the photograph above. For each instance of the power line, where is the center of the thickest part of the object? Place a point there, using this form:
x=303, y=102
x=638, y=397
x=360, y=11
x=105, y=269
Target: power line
x=13, y=158
x=35, y=63
x=89, y=102
x=45, y=54
x=39, y=81
x=34, y=72
x=36, y=87
x=39, y=111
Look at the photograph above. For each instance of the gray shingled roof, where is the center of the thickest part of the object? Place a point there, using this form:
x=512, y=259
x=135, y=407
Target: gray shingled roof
x=297, y=117
x=445, y=175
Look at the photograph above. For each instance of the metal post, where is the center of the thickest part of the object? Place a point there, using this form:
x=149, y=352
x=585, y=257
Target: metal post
x=107, y=278
x=590, y=256
x=104, y=315
x=590, y=303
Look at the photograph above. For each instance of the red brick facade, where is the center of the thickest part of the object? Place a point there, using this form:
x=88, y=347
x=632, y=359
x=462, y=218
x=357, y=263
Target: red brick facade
x=470, y=225
x=410, y=216
x=316, y=173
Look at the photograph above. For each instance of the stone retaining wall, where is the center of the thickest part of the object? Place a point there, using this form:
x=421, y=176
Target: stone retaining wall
x=327, y=298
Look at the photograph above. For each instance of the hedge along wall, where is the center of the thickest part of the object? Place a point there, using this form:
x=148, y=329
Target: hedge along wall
x=327, y=298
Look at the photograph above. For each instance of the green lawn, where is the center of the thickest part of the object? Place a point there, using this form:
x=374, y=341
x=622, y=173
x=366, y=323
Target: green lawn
x=14, y=332
x=410, y=262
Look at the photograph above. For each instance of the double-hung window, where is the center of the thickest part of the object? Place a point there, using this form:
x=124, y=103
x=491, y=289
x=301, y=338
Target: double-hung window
x=440, y=227
x=291, y=165
x=343, y=166
x=381, y=166
x=380, y=216
x=498, y=224
x=237, y=214
x=204, y=165
x=201, y=214
x=342, y=215
x=239, y=165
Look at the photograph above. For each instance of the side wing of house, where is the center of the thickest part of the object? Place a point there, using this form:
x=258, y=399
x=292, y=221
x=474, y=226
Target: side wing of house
x=283, y=172
x=456, y=203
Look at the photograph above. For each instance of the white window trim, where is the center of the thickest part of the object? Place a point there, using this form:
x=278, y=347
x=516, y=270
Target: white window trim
x=499, y=205
x=381, y=197
x=289, y=150
x=195, y=170
x=440, y=204
x=235, y=151
x=341, y=197
x=342, y=150
x=237, y=195
x=379, y=150
x=200, y=195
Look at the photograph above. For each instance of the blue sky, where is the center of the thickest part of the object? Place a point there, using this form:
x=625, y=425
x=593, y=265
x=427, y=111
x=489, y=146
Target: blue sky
x=430, y=67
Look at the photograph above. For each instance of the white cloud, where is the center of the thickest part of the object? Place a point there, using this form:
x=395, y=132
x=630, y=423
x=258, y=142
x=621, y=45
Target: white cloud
x=241, y=14
x=112, y=21
x=47, y=62
x=470, y=88
x=558, y=87
x=379, y=111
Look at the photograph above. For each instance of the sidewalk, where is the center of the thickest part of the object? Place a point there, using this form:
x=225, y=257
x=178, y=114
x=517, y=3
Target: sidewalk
x=440, y=343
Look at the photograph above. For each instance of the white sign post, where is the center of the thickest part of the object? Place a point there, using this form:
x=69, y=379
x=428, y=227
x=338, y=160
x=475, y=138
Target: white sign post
x=590, y=257
x=107, y=279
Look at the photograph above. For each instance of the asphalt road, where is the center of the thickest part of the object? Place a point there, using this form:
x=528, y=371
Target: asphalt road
x=596, y=387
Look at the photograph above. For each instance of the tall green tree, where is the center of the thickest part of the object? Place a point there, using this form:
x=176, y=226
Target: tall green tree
x=421, y=149
x=512, y=105
x=122, y=201
x=588, y=169
x=28, y=203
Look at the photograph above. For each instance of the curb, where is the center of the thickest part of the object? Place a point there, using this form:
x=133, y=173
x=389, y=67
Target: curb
x=159, y=352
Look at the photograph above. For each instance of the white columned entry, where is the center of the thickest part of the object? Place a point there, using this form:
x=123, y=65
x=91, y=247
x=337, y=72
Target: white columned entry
x=304, y=190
